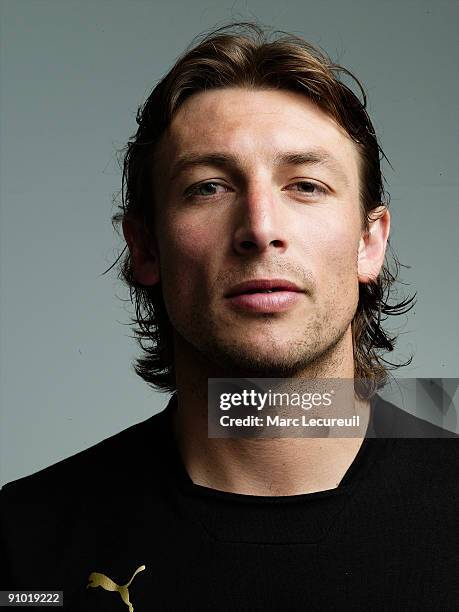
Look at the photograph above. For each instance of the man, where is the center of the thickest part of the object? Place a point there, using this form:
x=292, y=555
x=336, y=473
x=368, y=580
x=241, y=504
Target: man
x=254, y=170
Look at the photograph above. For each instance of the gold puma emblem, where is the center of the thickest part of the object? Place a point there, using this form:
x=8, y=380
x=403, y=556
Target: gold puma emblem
x=95, y=579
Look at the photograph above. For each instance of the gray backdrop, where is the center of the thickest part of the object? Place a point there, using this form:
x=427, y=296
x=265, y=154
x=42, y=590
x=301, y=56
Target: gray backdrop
x=72, y=76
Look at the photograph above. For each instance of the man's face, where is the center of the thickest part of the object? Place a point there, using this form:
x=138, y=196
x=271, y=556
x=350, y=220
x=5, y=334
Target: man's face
x=259, y=216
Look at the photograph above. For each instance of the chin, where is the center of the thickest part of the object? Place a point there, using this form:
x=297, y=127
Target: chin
x=265, y=361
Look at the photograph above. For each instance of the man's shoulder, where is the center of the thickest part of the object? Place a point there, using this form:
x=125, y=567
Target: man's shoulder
x=419, y=453
x=102, y=465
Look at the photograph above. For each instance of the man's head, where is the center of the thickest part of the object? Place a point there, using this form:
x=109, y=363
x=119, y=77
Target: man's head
x=252, y=160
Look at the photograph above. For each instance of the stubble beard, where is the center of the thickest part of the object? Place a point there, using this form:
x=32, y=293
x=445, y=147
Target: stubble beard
x=227, y=356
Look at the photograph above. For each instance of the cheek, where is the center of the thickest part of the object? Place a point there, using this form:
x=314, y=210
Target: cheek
x=185, y=255
x=342, y=255
x=337, y=262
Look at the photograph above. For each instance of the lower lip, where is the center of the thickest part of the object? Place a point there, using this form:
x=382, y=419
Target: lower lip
x=277, y=301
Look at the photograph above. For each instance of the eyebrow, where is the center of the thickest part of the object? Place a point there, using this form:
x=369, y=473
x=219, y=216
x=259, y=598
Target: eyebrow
x=313, y=157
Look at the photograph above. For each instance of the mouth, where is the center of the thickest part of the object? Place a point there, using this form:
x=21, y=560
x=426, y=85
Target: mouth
x=264, y=285
x=264, y=295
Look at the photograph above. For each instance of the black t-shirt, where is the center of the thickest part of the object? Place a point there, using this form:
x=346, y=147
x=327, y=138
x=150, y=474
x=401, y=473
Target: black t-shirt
x=125, y=512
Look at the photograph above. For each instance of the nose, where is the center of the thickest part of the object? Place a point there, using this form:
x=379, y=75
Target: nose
x=260, y=225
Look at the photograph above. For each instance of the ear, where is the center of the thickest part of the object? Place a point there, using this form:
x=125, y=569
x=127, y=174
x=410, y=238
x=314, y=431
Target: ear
x=372, y=245
x=144, y=257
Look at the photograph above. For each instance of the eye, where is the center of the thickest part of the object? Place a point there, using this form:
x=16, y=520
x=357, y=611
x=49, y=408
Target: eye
x=312, y=188
x=204, y=189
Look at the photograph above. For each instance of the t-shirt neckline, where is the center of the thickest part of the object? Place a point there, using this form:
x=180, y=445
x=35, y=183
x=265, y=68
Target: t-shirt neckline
x=361, y=463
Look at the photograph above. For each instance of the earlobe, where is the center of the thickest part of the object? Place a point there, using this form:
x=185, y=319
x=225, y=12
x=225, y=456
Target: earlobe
x=372, y=247
x=144, y=257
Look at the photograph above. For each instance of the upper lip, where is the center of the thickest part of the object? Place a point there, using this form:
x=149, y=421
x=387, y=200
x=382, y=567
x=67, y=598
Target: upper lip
x=262, y=284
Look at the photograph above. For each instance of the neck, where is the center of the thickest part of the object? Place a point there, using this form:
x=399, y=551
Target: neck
x=260, y=466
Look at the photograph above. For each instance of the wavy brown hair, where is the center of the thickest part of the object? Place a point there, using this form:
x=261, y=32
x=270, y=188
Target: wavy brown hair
x=246, y=55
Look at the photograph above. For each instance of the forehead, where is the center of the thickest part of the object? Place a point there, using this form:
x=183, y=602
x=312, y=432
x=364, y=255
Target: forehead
x=255, y=124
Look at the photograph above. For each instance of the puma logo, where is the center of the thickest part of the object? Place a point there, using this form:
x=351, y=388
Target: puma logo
x=95, y=579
